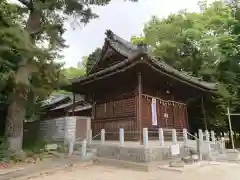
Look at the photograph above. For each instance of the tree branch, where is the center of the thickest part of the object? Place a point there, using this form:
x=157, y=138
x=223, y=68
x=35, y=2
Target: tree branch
x=27, y=3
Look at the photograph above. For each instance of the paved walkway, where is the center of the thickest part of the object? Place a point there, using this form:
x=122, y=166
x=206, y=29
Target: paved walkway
x=44, y=166
x=222, y=171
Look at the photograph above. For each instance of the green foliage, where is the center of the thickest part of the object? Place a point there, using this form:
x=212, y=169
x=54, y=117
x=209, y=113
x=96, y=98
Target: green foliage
x=205, y=44
x=138, y=40
x=36, y=146
x=73, y=72
x=31, y=40
x=92, y=59
x=3, y=149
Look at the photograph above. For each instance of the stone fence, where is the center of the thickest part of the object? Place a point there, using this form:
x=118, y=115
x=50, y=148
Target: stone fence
x=164, y=150
x=185, y=136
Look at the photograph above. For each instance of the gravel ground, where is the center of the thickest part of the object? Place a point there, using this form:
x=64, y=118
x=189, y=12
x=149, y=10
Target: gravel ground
x=220, y=171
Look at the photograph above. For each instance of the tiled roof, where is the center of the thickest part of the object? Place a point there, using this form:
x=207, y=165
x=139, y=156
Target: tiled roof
x=127, y=49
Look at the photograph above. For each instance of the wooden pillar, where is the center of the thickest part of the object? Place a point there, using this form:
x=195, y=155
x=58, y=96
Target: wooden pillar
x=93, y=107
x=74, y=104
x=139, y=115
x=204, y=113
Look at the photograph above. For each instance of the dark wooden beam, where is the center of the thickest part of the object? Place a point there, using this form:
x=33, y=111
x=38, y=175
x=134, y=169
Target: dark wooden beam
x=204, y=113
x=139, y=97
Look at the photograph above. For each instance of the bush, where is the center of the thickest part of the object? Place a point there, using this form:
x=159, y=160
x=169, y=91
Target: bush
x=3, y=149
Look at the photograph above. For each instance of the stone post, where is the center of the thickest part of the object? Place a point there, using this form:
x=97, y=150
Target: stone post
x=196, y=136
x=213, y=136
x=199, y=150
x=207, y=135
x=121, y=136
x=185, y=136
x=174, y=136
x=222, y=146
x=90, y=136
x=209, y=151
x=161, y=136
x=70, y=145
x=84, y=149
x=145, y=137
x=200, y=135
x=102, y=136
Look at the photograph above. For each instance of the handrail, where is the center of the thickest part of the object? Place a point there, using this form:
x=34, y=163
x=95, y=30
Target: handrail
x=96, y=135
x=192, y=135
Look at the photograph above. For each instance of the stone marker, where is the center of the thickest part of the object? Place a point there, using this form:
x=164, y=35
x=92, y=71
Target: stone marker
x=207, y=135
x=185, y=136
x=200, y=135
x=121, y=136
x=102, y=136
x=199, y=144
x=174, y=136
x=161, y=136
x=84, y=149
x=213, y=136
x=90, y=136
x=145, y=137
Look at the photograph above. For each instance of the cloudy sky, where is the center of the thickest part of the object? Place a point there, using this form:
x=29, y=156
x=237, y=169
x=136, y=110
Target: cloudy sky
x=123, y=18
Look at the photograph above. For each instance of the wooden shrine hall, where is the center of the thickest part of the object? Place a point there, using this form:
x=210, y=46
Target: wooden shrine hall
x=130, y=89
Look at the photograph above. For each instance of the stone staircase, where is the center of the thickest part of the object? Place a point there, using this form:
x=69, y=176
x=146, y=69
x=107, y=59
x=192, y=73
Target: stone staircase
x=217, y=154
x=227, y=156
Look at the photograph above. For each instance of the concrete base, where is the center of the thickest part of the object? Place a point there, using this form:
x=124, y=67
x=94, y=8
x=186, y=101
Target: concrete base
x=137, y=154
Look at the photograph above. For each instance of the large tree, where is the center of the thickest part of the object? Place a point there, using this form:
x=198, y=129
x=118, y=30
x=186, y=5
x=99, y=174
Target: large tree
x=42, y=34
x=204, y=44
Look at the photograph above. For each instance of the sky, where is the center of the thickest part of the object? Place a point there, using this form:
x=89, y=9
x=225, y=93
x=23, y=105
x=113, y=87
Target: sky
x=123, y=18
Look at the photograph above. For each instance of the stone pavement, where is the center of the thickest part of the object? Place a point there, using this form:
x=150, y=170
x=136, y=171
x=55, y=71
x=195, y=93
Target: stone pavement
x=46, y=166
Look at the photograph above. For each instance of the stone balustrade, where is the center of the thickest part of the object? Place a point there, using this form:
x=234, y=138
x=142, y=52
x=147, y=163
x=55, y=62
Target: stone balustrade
x=204, y=141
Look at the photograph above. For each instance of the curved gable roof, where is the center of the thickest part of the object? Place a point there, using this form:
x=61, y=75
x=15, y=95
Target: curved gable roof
x=129, y=51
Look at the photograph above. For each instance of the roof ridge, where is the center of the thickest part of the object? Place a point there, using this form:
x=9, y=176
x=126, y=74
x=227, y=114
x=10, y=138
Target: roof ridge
x=114, y=37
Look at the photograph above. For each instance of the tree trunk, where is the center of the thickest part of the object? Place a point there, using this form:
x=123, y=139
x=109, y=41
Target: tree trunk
x=15, y=119
x=17, y=109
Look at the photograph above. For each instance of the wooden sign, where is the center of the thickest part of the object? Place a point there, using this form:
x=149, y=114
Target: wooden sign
x=165, y=115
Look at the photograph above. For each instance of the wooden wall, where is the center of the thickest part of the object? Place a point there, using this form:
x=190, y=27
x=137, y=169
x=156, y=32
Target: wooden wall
x=176, y=114
x=115, y=114
x=117, y=108
x=171, y=110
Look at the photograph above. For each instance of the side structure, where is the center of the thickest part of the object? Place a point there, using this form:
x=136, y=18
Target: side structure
x=130, y=89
